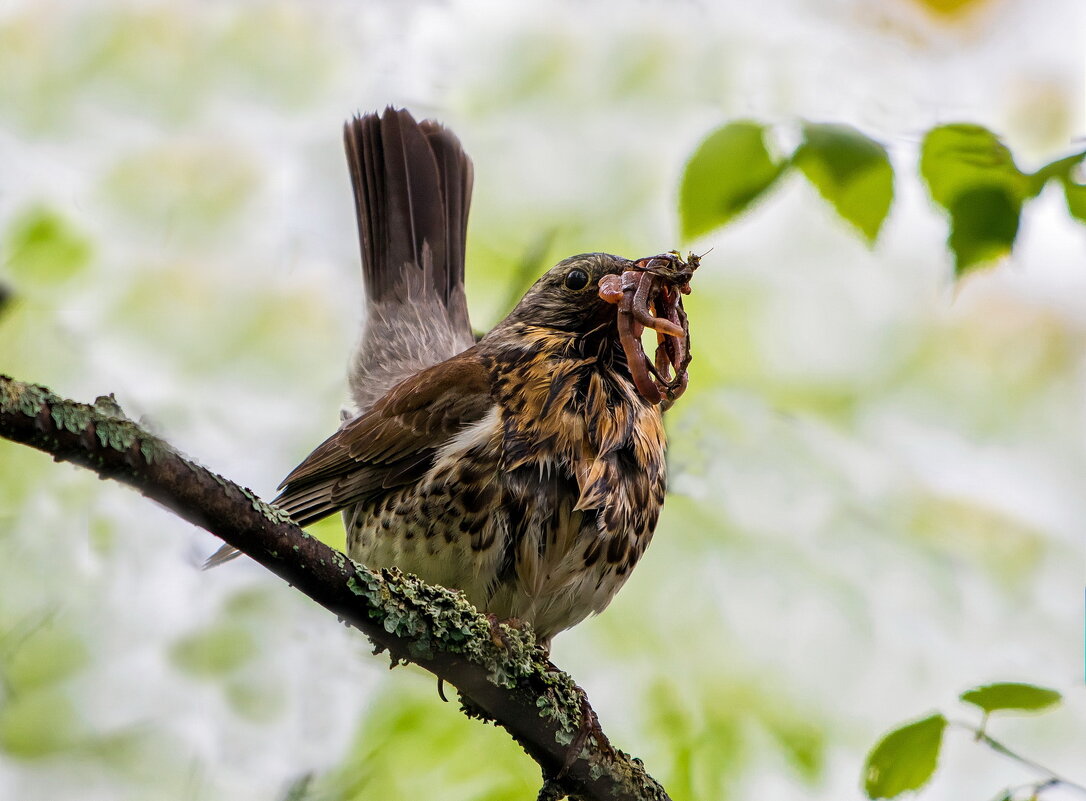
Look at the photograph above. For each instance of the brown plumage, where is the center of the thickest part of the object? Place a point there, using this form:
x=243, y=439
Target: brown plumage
x=525, y=469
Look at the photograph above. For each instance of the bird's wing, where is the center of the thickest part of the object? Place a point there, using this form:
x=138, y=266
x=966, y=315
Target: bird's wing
x=391, y=445
x=412, y=188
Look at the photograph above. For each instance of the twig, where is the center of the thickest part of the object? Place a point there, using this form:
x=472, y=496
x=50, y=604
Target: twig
x=1051, y=778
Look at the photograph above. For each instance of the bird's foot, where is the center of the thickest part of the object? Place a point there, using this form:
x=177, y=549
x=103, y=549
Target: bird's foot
x=498, y=635
x=590, y=726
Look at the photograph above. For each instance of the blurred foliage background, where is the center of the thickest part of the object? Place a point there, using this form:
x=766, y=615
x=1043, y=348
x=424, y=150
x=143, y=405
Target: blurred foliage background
x=877, y=472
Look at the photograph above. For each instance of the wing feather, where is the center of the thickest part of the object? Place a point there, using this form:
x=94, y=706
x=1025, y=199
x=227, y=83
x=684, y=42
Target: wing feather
x=390, y=446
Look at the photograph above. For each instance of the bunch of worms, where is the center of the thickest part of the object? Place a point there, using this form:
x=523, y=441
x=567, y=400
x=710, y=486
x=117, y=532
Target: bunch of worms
x=649, y=295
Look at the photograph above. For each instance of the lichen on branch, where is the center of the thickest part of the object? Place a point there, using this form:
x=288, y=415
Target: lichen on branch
x=502, y=676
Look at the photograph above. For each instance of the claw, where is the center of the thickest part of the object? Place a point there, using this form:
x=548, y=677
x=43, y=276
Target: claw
x=590, y=725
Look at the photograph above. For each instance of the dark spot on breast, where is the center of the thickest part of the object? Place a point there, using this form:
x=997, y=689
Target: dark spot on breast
x=615, y=519
x=471, y=472
x=559, y=391
x=616, y=549
x=518, y=510
x=477, y=499
x=523, y=447
x=616, y=388
x=626, y=459
x=580, y=388
x=481, y=541
x=592, y=555
x=652, y=516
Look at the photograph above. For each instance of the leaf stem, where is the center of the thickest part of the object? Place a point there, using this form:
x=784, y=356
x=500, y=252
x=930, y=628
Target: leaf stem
x=1051, y=779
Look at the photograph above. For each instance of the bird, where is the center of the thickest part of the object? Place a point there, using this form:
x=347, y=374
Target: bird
x=524, y=467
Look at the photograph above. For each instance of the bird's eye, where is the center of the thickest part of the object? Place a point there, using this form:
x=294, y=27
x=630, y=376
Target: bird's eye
x=576, y=279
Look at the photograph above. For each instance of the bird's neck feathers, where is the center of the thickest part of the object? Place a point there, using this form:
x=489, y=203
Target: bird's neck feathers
x=549, y=385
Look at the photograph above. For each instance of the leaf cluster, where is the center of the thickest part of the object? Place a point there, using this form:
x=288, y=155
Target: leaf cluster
x=970, y=174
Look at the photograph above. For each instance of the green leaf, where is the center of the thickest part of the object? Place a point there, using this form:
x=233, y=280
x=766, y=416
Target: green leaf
x=728, y=171
x=1064, y=170
x=804, y=746
x=972, y=175
x=904, y=759
x=50, y=655
x=404, y=721
x=192, y=193
x=45, y=248
x=1011, y=695
x=983, y=226
x=254, y=698
x=849, y=170
x=1058, y=169
x=956, y=158
x=37, y=724
x=214, y=652
x=1075, y=194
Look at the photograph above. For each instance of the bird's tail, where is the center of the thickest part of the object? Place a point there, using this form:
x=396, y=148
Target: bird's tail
x=412, y=188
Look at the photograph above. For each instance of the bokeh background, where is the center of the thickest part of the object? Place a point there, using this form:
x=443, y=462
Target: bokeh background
x=877, y=473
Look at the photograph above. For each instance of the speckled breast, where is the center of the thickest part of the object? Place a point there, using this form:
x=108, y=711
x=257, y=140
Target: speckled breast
x=538, y=511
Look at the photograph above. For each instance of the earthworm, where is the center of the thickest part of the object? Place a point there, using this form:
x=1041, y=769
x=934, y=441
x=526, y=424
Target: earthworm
x=650, y=296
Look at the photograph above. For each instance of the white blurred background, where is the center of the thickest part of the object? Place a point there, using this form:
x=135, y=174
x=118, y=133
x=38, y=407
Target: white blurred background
x=877, y=474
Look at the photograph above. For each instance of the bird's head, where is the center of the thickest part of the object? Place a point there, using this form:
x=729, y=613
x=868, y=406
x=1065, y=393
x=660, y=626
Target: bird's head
x=609, y=300
x=567, y=296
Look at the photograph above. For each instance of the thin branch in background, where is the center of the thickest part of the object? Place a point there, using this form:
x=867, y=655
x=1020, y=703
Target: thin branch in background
x=1051, y=778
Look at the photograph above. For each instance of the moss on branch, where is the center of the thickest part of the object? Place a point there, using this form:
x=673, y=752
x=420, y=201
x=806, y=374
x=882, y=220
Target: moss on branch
x=504, y=678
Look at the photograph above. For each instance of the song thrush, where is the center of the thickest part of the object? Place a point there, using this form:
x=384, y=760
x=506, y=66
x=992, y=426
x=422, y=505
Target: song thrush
x=526, y=468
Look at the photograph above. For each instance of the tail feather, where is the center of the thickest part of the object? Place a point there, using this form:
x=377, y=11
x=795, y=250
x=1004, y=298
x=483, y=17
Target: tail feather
x=455, y=176
x=412, y=186
x=412, y=189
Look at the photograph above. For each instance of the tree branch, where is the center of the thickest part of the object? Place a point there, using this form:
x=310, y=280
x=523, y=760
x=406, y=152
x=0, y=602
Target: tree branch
x=510, y=682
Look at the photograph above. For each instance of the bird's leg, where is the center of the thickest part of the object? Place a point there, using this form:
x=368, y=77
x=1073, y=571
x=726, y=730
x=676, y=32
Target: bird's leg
x=590, y=725
x=497, y=635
